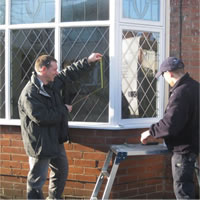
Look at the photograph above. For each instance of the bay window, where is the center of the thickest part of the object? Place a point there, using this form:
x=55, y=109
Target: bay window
x=120, y=91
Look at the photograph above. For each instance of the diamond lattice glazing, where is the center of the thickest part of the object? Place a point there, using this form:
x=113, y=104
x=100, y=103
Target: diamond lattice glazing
x=26, y=46
x=139, y=65
x=2, y=74
x=90, y=101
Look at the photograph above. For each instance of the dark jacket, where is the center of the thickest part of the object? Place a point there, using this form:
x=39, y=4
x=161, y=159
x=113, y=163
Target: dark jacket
x=43, y=115
x=180, y=124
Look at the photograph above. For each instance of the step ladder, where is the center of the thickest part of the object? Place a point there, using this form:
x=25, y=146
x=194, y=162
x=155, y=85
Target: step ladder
x=121, y=152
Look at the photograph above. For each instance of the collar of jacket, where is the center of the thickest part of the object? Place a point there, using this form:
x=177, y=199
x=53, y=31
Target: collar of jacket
x=37, y=84
x=180, y=81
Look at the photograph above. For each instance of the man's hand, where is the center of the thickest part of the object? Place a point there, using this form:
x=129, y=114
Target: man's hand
x=145, y=136
x=94, y=57
x=69, y=107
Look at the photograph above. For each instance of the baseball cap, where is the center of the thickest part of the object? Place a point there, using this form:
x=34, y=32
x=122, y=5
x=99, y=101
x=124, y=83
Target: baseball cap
x=170, y=64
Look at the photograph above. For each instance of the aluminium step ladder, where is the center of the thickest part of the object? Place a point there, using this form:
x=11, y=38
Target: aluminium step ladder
x=121, y=152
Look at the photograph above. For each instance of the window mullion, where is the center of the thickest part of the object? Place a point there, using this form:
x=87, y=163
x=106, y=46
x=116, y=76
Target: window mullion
x=7, y=73
x=161, y=83
x=57, y=47
x=114, y=108
x=7, y=60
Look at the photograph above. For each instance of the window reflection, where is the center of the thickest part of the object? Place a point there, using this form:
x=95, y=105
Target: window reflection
x=2, y=12
x=85, y=10
x=26, y=46
x=88, y=97
x=32, y=11
x=140, y=63
x=142, y=9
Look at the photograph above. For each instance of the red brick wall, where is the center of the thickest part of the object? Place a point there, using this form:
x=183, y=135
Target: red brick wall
x=137, y=177
x=190, y=40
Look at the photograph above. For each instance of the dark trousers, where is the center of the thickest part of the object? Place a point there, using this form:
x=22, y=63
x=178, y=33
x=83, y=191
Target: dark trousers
x=38, y=173
x=183, y=168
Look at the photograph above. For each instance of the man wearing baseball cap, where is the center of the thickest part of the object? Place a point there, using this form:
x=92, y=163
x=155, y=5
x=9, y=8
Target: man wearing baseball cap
x=179, y=126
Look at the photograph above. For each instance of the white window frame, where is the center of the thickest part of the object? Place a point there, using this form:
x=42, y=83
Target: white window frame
x=115, y=23
x=144, y=122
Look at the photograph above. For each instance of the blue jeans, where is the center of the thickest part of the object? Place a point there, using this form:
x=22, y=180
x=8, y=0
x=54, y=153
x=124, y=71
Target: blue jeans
x=183, y=168
x=38, y=173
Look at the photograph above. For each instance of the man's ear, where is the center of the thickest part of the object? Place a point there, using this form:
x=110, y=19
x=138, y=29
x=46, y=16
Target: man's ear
x=171, y=74
x=43, y=69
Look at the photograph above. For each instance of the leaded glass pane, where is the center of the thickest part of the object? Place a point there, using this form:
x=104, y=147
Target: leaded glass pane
x=84, y=10
x=142, y=9
x=2, y=74
x=139, y=65
x=32, y=11
x=2, y=12
x=90, y=95
x=26, y=46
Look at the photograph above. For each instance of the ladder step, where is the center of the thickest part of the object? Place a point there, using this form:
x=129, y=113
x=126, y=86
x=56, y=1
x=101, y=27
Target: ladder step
x=106, y=174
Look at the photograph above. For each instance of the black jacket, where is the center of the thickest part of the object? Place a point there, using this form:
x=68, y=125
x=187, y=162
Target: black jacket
x=43, y=115
x=180, y=124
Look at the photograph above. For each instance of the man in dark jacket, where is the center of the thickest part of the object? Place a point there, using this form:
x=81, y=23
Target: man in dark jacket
x=179, y=126
x=44, y=123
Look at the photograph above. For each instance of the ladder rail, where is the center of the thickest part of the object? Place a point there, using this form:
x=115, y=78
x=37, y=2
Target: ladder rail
x=110, y=180
x=101, y=176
